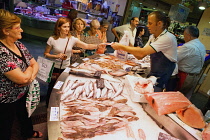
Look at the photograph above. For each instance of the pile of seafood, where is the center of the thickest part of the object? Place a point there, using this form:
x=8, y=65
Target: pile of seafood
x=92, y=88
x=90, y=117
x=108, y=65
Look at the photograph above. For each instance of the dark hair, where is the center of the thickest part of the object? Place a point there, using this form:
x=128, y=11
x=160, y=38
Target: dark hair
x=104, y=22
x=193, y=31
x=72, y=14
x=133, y=18
x=160, y=16
x=139, y=29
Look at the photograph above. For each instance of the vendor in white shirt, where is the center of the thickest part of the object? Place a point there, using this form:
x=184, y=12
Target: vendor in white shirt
x=161, y=46
x=131, y=28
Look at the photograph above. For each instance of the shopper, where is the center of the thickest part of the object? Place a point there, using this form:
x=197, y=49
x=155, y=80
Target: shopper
x=66, y=5
x=138, y=39
x=93, y=35
x=104, y=25
x=191, y=56
x=94, y=28
x=56, y=45
x=131, y=28
x=18, y=69
x=79, y=26
x=71, y=16
x=161, y=46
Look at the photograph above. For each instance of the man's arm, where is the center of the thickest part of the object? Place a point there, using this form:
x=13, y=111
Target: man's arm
x=115, y=34
x=138, y=52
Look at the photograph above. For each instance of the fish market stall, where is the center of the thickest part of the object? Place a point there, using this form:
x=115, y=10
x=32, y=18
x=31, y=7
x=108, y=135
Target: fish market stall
x=95, y=100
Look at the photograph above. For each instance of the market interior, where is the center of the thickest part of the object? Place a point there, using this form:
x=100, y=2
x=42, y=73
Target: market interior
x=38, y=27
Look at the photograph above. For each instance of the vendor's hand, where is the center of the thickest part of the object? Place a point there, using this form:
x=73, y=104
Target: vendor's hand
x=116, y=46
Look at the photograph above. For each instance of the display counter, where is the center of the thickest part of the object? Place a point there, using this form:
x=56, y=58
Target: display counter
x=148, y=126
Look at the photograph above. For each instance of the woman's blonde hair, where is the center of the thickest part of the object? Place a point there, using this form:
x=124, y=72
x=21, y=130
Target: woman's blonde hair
x=58, y=24
x=7, y=21
x=75, y=21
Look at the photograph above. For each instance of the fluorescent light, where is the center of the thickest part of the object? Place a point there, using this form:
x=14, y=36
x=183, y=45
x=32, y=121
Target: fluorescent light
x=202, y=5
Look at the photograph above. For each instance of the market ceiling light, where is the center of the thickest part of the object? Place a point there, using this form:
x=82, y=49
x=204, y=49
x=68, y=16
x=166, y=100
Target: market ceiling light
x=202, y=5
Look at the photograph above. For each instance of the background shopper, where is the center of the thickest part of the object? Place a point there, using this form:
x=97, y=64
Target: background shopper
x=138, y=40
x=191, y=56
x=131, y=28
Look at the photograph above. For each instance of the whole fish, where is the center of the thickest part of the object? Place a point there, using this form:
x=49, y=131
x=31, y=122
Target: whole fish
x=104, y=92
x=77, y=84
x=98, y=93
x=119, y=91
x=78, y=92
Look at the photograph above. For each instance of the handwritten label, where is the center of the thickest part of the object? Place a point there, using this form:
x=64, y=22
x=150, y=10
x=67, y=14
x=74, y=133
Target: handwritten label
x=58, y=85
x=163, y=136
x=54, y=114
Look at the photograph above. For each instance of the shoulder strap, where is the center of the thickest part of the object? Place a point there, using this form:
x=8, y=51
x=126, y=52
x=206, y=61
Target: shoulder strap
x=64, y=53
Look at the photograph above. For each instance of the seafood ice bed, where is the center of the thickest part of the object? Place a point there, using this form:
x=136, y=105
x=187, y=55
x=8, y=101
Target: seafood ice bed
x=87, y=112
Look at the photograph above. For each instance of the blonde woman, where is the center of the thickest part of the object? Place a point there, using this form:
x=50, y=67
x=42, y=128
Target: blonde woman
x=56, y=45
x=78, y=31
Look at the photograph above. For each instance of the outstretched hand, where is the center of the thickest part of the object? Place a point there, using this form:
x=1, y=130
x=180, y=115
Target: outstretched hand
x=116, y=46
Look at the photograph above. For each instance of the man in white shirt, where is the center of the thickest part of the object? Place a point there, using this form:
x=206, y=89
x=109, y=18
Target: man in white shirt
x=191, y=56
x=131, y=28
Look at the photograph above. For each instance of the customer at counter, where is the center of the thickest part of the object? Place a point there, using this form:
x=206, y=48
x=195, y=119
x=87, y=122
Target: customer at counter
x=57, y=43
x=18, y=69
x=93, y=35
x=161, y=46
x=104, y=25
x=191, y=56
x=131, y=28
x=79, y=26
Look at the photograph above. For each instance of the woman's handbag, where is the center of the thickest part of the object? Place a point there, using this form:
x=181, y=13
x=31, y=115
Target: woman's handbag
x=33, y=97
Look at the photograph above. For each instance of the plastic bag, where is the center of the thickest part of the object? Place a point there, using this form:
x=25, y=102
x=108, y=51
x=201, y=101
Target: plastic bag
x=33, y=97
x=120, y=54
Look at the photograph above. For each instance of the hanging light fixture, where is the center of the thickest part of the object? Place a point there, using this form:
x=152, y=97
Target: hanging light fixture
x=202, y=5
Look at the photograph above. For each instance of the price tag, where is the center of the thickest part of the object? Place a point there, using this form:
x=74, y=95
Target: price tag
x=67, y=70
x=85, y=59
x=54, y=114
x=75, y=64
x=163, y=136
x=58, y=85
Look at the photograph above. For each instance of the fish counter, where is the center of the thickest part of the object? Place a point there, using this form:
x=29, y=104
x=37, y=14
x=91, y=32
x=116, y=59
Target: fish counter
x=96, y=100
